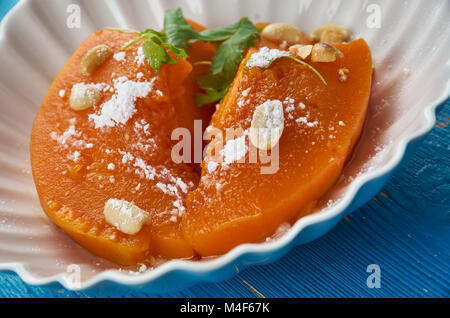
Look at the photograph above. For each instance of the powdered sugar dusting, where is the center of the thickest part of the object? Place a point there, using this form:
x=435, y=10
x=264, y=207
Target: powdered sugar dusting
x=140, y=57
x=304, y=120
x=234, y=150
x=67, y=136
x=121, y=107
x=212, y=166
x=166, y=181
x=119, y=56
x=264, y=57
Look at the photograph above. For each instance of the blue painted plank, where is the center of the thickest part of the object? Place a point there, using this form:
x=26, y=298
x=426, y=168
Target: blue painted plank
x=405, y=229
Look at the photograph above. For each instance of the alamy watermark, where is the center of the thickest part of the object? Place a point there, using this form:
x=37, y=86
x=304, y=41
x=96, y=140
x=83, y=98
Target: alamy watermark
x=373, y=20
x=374, y=279
x=73, y=20
x=225, y=147
x=73, y=277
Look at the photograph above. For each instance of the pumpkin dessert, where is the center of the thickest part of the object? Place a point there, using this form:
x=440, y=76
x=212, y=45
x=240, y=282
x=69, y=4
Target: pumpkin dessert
x=277, y=112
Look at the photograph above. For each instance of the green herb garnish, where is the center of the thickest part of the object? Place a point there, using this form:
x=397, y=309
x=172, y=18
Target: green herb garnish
x=178, y=34
x=176, y=38
x=215, y=87
x=235, y=38
x=155, y=46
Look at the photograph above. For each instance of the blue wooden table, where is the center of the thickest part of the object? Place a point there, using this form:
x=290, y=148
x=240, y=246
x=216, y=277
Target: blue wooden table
x=405, y=229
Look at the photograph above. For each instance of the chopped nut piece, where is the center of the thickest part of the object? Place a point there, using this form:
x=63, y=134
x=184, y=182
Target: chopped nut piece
x=73, y=171
x=284, y=45
x=329, y=36
x=125, y=216
x=323, y=52
x=94, y=58
x=83, y=96
x=342, y=72
x=267, y=125
x=283, y=32
x=330, y=33
x=300, y=50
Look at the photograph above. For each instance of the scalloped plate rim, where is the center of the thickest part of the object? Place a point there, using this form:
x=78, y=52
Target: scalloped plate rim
x=207, y=267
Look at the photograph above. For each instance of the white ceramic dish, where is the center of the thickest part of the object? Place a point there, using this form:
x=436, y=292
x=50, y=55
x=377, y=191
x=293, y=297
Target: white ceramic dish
x=410, y=53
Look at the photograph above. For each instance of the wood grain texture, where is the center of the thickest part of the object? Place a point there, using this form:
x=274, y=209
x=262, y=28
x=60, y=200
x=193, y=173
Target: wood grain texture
x=405, y=229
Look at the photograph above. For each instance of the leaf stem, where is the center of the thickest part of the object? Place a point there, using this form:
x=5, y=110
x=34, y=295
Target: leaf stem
x=121, y=30
x=202, y=63
x=142, y=37
x=303, y=63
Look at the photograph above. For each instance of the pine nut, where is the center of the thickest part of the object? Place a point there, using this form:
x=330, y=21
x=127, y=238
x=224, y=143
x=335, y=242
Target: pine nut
x=94, y=58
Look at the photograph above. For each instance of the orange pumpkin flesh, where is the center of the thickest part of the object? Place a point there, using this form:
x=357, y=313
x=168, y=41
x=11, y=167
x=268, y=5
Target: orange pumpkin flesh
x=73, y=194
x=248, y=206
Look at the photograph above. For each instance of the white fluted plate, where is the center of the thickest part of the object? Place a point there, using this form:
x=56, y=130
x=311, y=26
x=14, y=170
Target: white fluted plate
x=412, y=71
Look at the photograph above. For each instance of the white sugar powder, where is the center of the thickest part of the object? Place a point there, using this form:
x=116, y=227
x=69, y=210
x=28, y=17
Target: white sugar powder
x=62, y=93
x=66, y=136
x=290, y=108
x=120, y=108
x=143, y=268
x=264, y=57
x=140, y=57
x=305, y=121
x=212, y=165
x=245, y=92
x=120, y=56
x=75, y=156
x=111, y=166
x=126, y=156
x=141, y=125
x=234, y=150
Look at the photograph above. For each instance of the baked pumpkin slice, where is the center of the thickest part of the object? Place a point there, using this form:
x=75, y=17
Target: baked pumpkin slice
x=103, y=138
x=243, y=200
